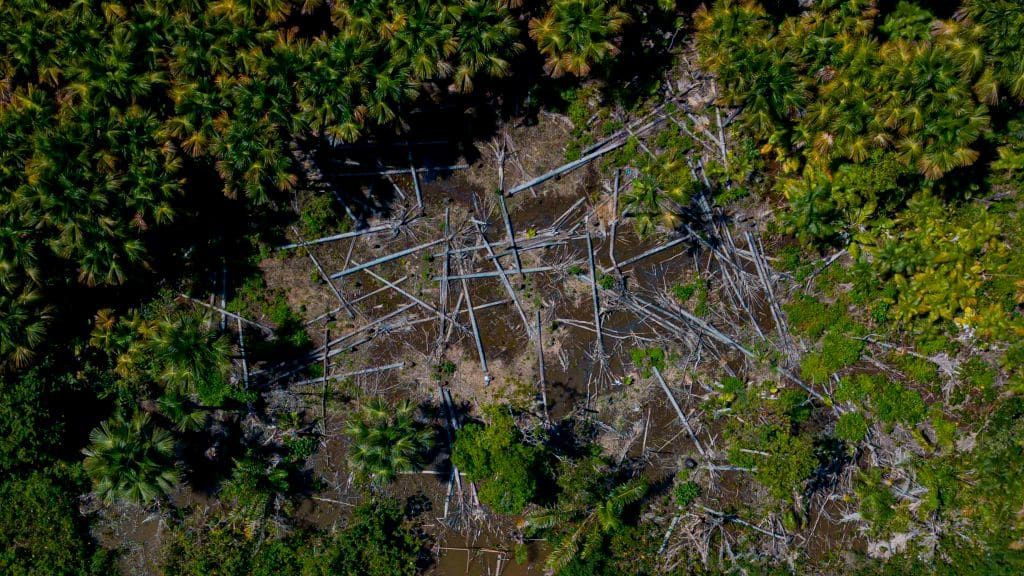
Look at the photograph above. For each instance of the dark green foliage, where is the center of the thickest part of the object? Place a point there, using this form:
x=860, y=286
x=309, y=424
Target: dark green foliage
x=444, y=370
x=908, y=20
x=946, y=432
x=496, y=456
x=256, y=487
x=856, y=388
x=813, y=214
x=732, y=393
x=919, y=370
x=939, y=477
x=839, y=350
x=319, y=217
x=173, y=348
x=683, y=293
x=977, y=379
x=29, y=429
x=996, y=490
x=577, y=34
x=795, y=405
x=220, y=549
x=589, y=515
x=878, y=505
x=783, y=461
x=814, y=368
x=376, y=542
x=289, y=327
x=685, y=490
x=41, y=532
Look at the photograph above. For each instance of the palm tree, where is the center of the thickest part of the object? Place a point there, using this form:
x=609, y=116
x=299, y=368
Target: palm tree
x=584, y=523
x=813, y=215
x=187, y=416
x=386, y=440
x=930, y=105
x=23, y=320
x=131, y=459
x=485, y=34
x=994, y=38
x=574, y=35
x=256, y=487
x=648, y=204
x=186, y=356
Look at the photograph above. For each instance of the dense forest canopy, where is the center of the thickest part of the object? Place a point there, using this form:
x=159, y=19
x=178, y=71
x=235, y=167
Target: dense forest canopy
x=866, y=359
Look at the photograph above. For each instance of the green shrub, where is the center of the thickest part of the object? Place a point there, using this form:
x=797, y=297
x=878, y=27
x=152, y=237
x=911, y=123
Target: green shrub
x=496, y=457
x=890, y=401
x=732, y=393
x=877, y=503
x=319, y=217
x=896, y=403
x=445, y=370
x=809, y=316
x=795, y=405
x=838, y=350
x=851, y=427
x=782, y=461
x=686, y=490
x=683, y=293
x=814, y=368
x=647, y=359
x=42, y=533
x=376, y=542
x=975, y=377
x=919, y=370
x=854, y=388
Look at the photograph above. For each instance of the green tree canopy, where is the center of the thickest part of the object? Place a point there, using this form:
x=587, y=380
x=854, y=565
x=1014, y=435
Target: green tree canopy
x=131, y=459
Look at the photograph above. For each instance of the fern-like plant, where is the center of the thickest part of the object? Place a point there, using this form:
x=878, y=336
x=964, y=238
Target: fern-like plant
x=131, y=459
x=386, y=440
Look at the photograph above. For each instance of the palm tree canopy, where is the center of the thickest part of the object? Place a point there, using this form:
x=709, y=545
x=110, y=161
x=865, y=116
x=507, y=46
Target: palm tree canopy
x=131, y=459
x=386, y=440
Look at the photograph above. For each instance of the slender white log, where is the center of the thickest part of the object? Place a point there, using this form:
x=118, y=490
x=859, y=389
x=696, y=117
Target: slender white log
x=224, y=312
x=415, y=182
x=569, y=167
x=385, y=259
x=342, y=236
x=651, y=252
x=476, y=332
x=504, y=279
x=594, y=298
x=362, y=372
x=495, y=274
x=543, y=377
x=508, y=231
x=679, y=412
x=397, y=171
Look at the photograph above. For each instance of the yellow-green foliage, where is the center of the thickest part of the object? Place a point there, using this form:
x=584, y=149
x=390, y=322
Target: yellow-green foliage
x=851, y=427
x=939, y=260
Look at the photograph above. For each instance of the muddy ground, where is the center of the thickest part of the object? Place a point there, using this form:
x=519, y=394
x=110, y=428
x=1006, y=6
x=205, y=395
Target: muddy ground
x=415, y=324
